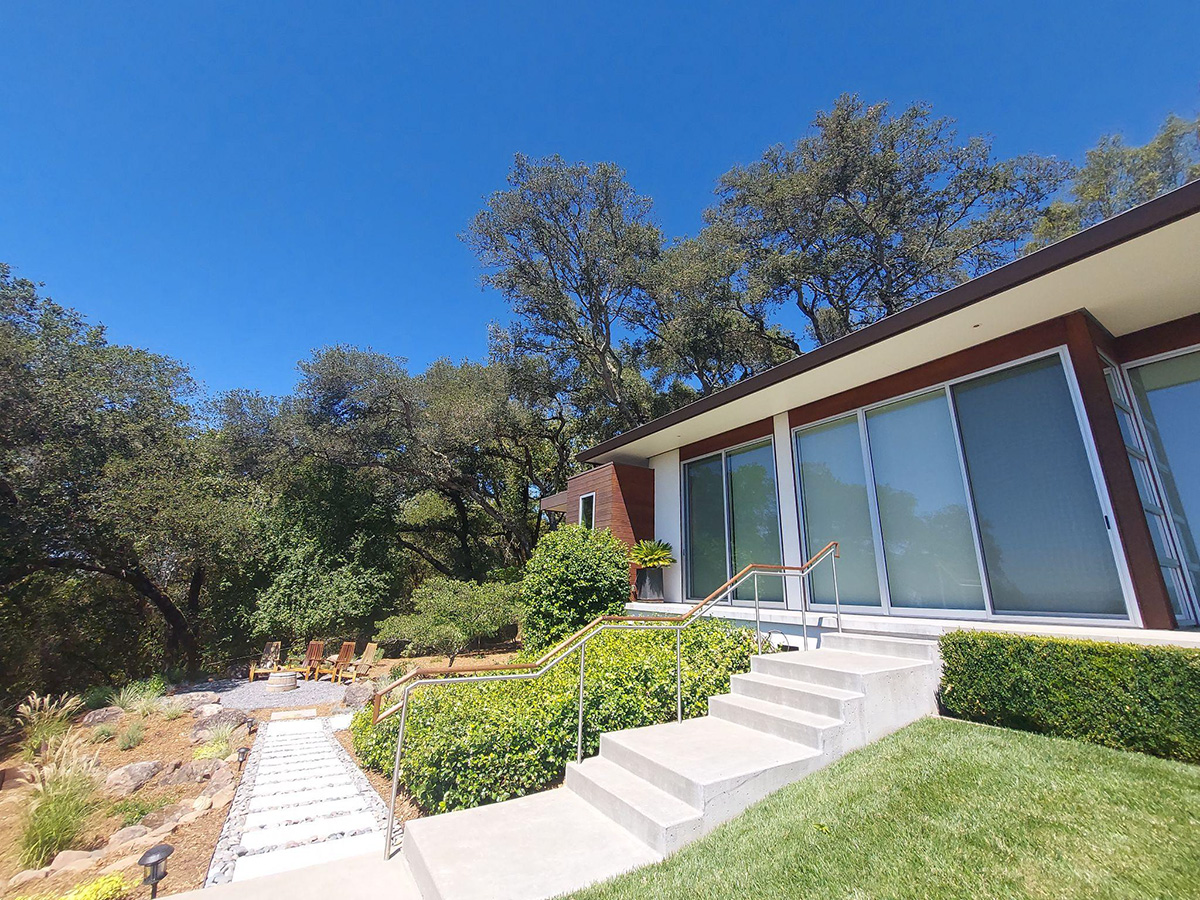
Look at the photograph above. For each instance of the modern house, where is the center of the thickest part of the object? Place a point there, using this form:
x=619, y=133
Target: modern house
x=1022, y=448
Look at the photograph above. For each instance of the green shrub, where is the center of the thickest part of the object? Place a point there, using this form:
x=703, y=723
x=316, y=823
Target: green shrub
x=451, y=615
x=574, y=575
x=140, y=696
x=218, y=746
x=134, y=734
x=131, y=810
x=473, y=744
x=44, y=719
x=652, y=555
x=64, y=792
x=98, y=696
x=103, y=733
x=1129, y=696
x=106, y=887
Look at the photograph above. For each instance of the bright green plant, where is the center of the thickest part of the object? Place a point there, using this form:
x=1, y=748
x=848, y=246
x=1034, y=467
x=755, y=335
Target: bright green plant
x=134, y=734
x=652, y=555
x=103, y=733
x=1129, y=696
x=574, y=575
x=64, y=796
x=44, y=719
x=451, y=615
x=473, y=744
x=131, y=810
x=141, y=695
x=106, y=887
x=218, y=745
x=97, y=696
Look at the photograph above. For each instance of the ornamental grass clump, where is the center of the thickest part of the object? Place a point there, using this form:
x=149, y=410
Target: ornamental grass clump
x=65, y=782
x=466, y=745
x=134, y=734
x=219, y=744
x=44, y=719
x=103, y=733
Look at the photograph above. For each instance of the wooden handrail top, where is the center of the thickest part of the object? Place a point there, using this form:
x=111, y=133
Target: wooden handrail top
x=598, y=621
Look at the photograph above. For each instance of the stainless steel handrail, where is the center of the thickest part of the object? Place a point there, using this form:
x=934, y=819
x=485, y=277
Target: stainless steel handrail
x=579, y=642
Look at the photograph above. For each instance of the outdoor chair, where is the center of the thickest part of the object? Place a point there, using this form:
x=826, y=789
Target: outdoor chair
x=312, y=661
x=344, y=658
x=361, y=667
x=268, y=662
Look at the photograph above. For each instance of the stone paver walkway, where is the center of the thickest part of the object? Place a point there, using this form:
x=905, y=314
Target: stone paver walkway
x=301, y=801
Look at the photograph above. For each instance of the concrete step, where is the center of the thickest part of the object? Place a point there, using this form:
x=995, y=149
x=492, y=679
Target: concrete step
x=716, y=766
x=293, y=798
x=655, y=817
x=531, y=848
x=276, y=861
x=305, y=832
x=835, y=668
x=817, y=698
x=290, y=814
x=787, y=722
x=882, y=645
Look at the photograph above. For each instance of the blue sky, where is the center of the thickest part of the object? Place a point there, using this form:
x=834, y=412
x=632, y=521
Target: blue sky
x=235, y=184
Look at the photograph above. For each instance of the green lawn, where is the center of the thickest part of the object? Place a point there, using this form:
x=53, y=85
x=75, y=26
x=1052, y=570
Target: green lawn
x=947, y=809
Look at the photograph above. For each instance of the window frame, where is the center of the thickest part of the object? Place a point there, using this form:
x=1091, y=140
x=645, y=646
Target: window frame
x=590, y=495
x=1132, y=617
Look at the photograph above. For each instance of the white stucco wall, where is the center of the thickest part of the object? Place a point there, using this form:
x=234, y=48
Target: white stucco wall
x=789, y=520
x=668, y=518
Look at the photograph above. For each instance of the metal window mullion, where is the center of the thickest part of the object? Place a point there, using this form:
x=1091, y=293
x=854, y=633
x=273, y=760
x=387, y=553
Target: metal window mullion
x=984, y=582
x=864, y=439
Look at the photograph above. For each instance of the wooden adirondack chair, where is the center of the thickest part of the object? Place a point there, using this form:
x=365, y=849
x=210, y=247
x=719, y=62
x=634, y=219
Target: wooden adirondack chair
x=312, y=661
x=268, y=662
x=360, y=667
x=344, y=658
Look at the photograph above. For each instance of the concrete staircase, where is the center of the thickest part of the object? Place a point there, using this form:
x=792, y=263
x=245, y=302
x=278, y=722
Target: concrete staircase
x=652, y=790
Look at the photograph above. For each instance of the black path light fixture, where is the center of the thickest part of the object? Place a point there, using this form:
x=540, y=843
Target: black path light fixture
x=154, y=861
x=243, y=752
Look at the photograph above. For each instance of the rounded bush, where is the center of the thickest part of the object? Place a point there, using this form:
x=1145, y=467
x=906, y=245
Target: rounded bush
x=574, y=575
x=468, y=745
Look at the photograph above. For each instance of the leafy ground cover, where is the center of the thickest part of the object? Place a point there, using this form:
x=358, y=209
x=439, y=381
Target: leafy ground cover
x=944, y=810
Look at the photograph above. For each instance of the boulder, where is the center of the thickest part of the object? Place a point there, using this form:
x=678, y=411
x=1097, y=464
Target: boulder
x=203, y=729
x=168, y=815
x=193, y=699
x=125, y=835
x=100, y=716
x=202, y=804
x=204, y=710
x=25, y=877
x=14, y=777
x=223, y=798
x=194, y=772
x=221, y=779
x=127, y=779
x=358, y=694
x=66, y=857
x=80, y=865
x=189, y=818
x=123, y=863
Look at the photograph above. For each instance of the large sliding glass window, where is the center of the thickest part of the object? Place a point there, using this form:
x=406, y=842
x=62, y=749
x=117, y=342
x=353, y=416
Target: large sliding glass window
x=835, y=506
x=1045, y=541
x=732, y=519
x=928, y=548
x=978, y=496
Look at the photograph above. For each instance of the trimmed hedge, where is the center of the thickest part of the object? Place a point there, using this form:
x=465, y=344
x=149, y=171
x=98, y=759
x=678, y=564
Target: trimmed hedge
x=474, y=744
x=1128, y=696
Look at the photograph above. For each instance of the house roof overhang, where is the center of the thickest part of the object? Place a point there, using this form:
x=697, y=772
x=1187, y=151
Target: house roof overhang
x=1136, y=270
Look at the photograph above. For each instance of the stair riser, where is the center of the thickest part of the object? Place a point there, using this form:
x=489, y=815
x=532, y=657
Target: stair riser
x=796, y=698
x=783, y=667
x=777, y=726
x=660, y=776
x=880, y=646
x=664, y=839
x=420, y=871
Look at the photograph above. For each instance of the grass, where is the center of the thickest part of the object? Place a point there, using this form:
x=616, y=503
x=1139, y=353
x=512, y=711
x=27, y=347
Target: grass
x=64, y=796
x=218, y=746
x=134, y=734
x=103, y=733
x=944, y=810
x=131, y=810
x=45, y=719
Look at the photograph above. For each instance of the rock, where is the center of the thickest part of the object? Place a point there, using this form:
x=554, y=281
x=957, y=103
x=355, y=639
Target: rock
x=189, y=818
x=205, y=710
x=202, y=804
x=222, y=778
x=14, y=777
x=168, y=815
x=202, y=730
x=194, y=772
x=193, y=699
x=127, y=779
x=100, y=716
x=123, y=863
x=28, y=875
x=66, y=857
x=161, y=832
x=221, y=799
x=126, y=834
x=358, y=694
x=80, y=865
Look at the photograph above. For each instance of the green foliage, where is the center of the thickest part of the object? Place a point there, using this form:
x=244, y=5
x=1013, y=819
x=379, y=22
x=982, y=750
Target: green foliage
x=473, y=744
x=574, y=575
x=64, y=797
x=106, y=887
x=172, y=710
x=651, y=555
x=451, y=615
x=103, y=733
x=218, y=746
x=132, y=735
x=97, y=696
x=1129, y=696
x=140, y=696
x=131, y=810
x=43, y=719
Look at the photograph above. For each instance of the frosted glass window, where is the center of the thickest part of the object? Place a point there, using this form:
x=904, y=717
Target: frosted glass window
x=706, y=557
x=928, y=548
x=835, y=507
x=1045, y=542
x=754, y=517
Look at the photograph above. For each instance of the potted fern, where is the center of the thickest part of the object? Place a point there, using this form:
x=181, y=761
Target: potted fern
x=651, y=557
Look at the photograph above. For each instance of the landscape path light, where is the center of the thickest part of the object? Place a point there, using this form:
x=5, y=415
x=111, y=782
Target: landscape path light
x=154, y=861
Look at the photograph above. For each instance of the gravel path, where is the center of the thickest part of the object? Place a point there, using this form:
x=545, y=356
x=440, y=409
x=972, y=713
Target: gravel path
x=242, y=694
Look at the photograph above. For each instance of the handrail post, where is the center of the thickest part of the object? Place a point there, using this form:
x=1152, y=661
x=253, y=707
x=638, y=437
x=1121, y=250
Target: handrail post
x=678, y=674
x=837, y=600
x=391, y=821
x=757, y=614
x=579, y=744
x=805, y=591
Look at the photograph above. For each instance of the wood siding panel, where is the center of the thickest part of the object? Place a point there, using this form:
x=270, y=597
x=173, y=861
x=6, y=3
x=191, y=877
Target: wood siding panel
x=1163, y=338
